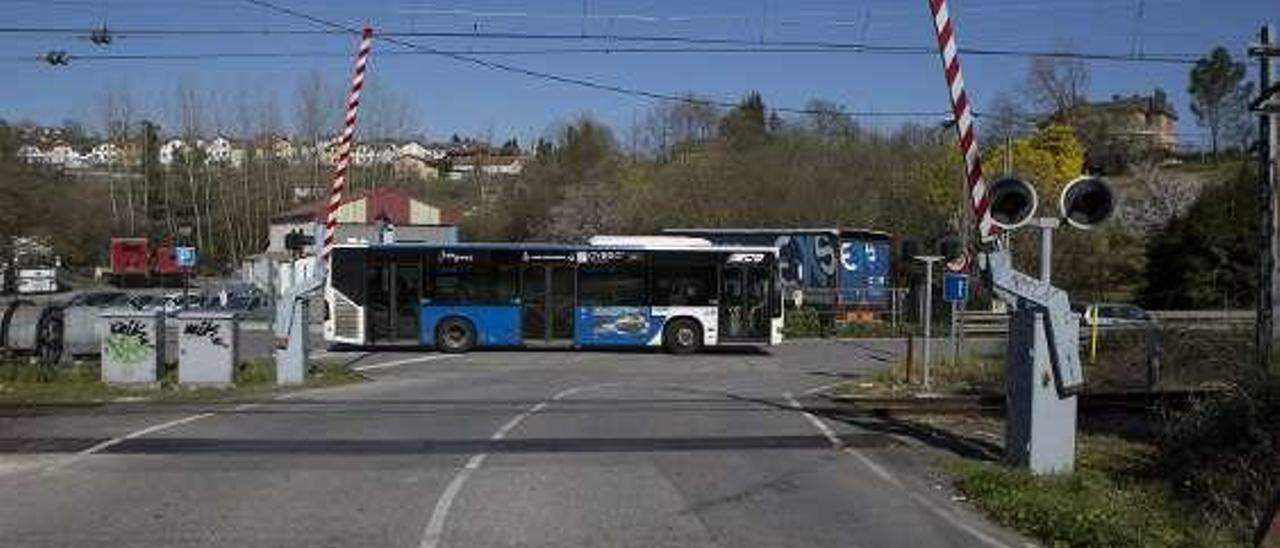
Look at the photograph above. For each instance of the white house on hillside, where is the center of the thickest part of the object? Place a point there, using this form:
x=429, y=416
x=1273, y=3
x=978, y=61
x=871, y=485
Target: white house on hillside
x=32, y=154
x=65, y=156
x=103, y=154
x=169, y=151
x=415, y=150
x=217, y=151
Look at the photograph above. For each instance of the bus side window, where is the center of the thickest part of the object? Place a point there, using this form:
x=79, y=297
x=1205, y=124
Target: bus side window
x=682, y=287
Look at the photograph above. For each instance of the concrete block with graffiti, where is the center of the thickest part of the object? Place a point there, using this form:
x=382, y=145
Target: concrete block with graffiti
x=208, y=348
x=132, y=346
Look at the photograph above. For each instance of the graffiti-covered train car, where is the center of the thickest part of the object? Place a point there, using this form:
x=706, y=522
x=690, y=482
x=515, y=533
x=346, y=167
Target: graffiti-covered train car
x=830, y=269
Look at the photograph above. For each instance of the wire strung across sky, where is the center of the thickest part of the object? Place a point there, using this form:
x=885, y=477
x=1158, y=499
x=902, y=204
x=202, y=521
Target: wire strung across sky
x=475, y=57
x=571, y=80
x=209, y=55
x=806, y=46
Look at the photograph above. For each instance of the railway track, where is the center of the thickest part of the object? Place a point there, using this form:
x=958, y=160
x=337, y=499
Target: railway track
x=1128, y=402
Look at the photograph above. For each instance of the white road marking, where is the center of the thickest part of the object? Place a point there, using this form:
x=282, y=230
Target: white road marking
x=815, y=421
x=139, y=433
x=98, y=448
x=406, y=361
x=823, y=387
x=884, y=474
x=434, y=530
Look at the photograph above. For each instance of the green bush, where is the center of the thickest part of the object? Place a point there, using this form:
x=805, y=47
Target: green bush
x=256, y=372
x=21, y=372
x=872, y=330
x=801, y=323
x=1083, y=510
x=1224, y=455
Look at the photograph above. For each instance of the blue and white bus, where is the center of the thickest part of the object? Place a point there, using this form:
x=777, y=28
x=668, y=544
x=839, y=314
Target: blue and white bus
x=462, y=296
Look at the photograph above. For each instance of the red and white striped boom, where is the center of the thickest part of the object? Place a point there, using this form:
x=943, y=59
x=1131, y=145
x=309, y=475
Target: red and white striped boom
x=344, y=144
x=963, y=113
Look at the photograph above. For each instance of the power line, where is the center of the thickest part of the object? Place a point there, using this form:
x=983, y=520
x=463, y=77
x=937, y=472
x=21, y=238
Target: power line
x=571, y=80
x=856, y=47
x=477, y=52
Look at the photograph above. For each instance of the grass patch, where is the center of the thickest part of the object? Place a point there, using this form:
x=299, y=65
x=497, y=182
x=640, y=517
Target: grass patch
x=1085, y=510
x=965, y=376
x=22, y=382
x=1208, y=476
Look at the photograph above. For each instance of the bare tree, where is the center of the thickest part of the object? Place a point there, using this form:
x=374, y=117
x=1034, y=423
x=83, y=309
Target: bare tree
x=386, y=114
x=1056, y=84
x=1005, y=117
x=116, y=112
x=316, y=115
x=672, y=124
x=828, y=119
x=191, y=112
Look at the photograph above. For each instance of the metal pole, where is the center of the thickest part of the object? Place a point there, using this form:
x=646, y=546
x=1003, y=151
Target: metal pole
x=928, y=319
x=955, y=341
x=1267, y=211
x=1046, y=248
x=1008, y=155
x=928, y=261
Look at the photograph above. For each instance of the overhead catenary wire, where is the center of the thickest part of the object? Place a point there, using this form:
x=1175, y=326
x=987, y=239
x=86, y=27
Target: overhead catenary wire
x=549, y=76
x=468, y=51
x=854, y=47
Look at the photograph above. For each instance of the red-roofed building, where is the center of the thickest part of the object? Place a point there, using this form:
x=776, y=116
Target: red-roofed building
x=361, y=215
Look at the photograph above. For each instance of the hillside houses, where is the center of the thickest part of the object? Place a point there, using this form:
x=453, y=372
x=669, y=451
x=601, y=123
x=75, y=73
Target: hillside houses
x=456, y=160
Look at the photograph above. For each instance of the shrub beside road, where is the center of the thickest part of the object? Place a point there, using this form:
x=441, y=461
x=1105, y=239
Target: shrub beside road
x=1203, y=474
x=23, y=382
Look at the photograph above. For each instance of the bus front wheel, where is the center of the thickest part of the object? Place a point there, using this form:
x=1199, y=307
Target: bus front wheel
x=455, y=336
x=682, y=336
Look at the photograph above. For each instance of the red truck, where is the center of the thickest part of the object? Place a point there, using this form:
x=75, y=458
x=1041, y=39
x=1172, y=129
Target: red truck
x=134, y=263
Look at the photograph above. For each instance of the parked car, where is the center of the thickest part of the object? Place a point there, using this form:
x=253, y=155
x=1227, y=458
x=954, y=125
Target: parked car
x=143, y=301
x=169, y=304
x=239, y=297
x=100, y=299
x=1116, y=315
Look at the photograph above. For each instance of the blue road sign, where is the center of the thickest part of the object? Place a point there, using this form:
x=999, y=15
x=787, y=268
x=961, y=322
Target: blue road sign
x=955, y=287
x=185, y=256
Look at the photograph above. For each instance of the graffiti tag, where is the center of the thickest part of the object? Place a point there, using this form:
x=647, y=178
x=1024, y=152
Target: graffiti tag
x=127, y=342
x=206, y=329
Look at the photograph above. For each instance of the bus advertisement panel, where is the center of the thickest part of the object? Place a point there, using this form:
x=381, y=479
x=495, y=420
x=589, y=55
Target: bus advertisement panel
x=830, y=268
x=864, y=272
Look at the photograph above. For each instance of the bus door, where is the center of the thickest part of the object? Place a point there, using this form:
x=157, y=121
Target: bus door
x=395, y=302
x=547, y=295
x=745, y=287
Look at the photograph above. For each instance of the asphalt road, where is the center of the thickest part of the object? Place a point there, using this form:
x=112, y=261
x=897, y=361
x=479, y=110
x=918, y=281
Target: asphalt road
x=535, y=448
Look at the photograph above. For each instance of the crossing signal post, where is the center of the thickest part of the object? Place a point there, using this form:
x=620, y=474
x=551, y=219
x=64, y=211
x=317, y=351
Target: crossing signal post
x=1042, y=362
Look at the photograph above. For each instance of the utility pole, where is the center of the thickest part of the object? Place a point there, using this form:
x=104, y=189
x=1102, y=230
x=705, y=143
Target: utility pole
x=1267, y=109
x=928, y=261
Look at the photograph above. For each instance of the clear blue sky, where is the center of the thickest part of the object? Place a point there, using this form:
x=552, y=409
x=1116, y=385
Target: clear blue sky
x=450, y=97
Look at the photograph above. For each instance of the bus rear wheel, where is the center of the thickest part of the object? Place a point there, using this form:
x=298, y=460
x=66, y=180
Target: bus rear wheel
x=455, y=336
x=682, y=336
